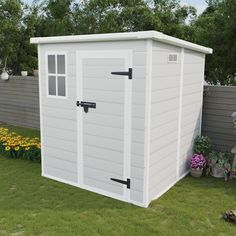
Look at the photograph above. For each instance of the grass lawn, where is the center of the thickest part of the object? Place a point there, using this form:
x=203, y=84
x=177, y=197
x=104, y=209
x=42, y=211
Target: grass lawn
x=33, y=205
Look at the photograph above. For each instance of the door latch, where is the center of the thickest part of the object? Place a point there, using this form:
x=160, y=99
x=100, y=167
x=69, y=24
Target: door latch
x=86, y=105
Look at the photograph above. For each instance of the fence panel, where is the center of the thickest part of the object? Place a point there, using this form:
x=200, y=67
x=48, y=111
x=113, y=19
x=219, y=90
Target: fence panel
x=19, y=101
x=218, y=104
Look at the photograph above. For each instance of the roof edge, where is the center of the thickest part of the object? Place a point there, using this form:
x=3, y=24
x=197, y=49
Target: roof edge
x=154, y=35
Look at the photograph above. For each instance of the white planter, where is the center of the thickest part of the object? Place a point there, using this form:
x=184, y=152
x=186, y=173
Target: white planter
x=24, y=73
x=36, y=73
x=4, y=76
x=196, y=173
x=217, y=171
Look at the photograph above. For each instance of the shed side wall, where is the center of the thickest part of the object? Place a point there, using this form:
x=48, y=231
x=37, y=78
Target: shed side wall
x=193, y=78
x=164, y=118
x=60, y=121
x=169, y=154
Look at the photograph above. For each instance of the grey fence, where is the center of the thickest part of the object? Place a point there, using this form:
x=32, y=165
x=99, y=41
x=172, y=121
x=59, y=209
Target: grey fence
x=19, y=105
x=218, y=105
x=19, y=101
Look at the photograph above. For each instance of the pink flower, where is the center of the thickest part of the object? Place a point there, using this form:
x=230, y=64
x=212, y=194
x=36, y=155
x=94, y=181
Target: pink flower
x=197, y=161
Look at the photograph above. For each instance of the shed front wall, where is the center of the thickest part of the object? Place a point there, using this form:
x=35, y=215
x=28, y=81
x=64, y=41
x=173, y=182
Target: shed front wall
x=176, y=98
x=59, y=116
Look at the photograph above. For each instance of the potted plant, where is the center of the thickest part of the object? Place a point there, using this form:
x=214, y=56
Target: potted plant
x=24, y=70
x=219, y=164
x=4, y=74
x=197, y=164
x=202, y=145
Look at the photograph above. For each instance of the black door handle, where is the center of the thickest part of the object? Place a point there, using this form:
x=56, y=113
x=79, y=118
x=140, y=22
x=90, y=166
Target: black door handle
x=86, y=105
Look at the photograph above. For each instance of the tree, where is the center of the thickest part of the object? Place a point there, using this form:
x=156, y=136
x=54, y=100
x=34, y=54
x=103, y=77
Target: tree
x=104, y=16
x=10, y=16
x=216, y=28
x=171, y=17
x=55, y=18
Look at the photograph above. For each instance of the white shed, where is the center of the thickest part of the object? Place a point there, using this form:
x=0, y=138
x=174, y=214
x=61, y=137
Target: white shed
x=119, y=112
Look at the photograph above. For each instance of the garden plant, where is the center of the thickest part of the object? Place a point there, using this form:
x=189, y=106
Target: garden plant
x=13, y=145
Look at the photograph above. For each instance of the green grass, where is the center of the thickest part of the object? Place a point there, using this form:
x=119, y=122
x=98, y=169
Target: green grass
x=33, y=205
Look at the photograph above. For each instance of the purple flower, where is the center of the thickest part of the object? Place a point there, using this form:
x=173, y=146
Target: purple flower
x=197, y=161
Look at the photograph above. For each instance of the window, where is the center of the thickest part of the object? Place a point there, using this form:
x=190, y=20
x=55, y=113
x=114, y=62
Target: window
x=56, y=64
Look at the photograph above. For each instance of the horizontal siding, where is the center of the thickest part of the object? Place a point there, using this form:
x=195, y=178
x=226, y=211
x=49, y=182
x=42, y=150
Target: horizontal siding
x=192, y=102
x=60, y=120
x=219, y=103
x=19, y=101
x=164, y=110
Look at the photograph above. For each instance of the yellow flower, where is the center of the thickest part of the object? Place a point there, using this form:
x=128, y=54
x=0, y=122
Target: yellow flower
x=27, y=148
x=17, y=148
x=7, y=148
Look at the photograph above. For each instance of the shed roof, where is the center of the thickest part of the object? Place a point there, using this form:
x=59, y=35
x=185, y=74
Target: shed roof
x=154, y=35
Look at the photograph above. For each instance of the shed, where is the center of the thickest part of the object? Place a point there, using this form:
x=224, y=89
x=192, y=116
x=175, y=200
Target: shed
x=119, y=112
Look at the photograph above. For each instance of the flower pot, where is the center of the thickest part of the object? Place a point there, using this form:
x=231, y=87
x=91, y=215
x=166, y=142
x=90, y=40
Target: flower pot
x=217, y=171
x=24, y=73
x=4, y=75
x=196, y=172
x=36, y=73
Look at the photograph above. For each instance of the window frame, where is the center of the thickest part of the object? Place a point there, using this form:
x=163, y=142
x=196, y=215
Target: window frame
x=56, y=53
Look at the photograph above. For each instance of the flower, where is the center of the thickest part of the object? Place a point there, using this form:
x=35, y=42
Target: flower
x=17, y=148
x=7, y=148
x=197, y=161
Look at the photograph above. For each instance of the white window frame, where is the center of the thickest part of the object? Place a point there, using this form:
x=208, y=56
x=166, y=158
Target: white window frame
x=56, y=53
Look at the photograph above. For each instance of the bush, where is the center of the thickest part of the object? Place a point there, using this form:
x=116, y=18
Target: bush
x=16, y=146
x=202, y=145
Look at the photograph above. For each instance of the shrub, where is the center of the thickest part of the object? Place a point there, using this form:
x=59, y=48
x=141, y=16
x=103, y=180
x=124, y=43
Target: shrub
x=202, y=145
x=16, y=146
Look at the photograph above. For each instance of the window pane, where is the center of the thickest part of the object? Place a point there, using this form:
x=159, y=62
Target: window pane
x=51, y=64
x=61, y=86
x=61, y=64
x=52, y=85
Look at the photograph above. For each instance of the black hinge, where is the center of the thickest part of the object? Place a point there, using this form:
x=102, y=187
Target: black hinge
x=86, y=105
x=127, y=182
x=128, y=73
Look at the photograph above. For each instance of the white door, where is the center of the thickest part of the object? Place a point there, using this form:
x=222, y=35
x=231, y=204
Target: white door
x=104, y=116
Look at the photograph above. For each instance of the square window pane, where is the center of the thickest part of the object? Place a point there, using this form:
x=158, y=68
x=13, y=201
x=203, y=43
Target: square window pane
x=51, y=64
x=61, y=80
x=52, y=85
x=61, y=64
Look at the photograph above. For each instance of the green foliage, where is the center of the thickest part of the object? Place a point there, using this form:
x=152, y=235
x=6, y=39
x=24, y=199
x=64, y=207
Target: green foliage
x=13, y=145
x=202, y=145
x=18, y=24
x=224, y=160
x=216, y=28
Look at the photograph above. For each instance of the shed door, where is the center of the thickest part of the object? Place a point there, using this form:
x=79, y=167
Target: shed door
x=105, y=130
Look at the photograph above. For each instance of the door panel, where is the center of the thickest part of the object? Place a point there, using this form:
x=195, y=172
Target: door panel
x=103, y=133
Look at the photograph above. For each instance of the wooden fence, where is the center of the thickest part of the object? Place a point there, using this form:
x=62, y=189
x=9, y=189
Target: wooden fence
x=19, y=105
x=19, y=101
x=218, y=104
